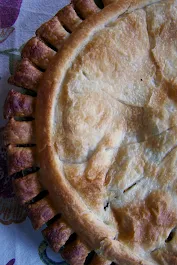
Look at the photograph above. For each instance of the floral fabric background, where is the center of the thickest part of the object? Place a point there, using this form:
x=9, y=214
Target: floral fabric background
x=19, y=243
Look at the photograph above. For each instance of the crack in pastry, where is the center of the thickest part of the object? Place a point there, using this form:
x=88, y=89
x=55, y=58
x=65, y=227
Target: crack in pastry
x=171, y=235
x=167, y=254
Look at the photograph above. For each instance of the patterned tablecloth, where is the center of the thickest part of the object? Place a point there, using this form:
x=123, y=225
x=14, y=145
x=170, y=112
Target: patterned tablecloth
x=19, y=244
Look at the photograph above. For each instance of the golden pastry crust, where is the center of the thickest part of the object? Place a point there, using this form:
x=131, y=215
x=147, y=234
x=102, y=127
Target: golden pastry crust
x=19, y=132
x=165, y=258
x=101, y=261
x=40, y=212
x=69, y=18
x=57, y=234
x=20, y=158
x=26, y=75
x=52, y=32
x=75, y=253
x=85, y=7
x=27, y=188
x=109, y=132
x=144, y=224
x=167, y=254
x=18, y=105
x=38, y=53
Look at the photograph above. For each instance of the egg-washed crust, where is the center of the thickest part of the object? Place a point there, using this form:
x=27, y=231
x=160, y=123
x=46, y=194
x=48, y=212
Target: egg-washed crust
x=37, y=54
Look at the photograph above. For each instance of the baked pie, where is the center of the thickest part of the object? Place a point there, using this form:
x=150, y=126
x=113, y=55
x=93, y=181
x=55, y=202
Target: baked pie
x=92, y=142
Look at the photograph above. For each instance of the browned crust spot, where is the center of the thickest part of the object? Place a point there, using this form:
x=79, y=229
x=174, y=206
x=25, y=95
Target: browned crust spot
x=40, y=212
x=20, y=158
x=85, y=7
x=19, y=132
x=108, y=2
x=17, y=104
x=57, y=234
x=97, y=260
x=165, y=257
x=69, y=18
x=26, y=75
x=27, y=188
x=53, y=33
x=75, y=253
x=38, y=53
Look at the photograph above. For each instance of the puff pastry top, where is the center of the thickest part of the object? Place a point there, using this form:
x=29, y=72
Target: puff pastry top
x=110, y=131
